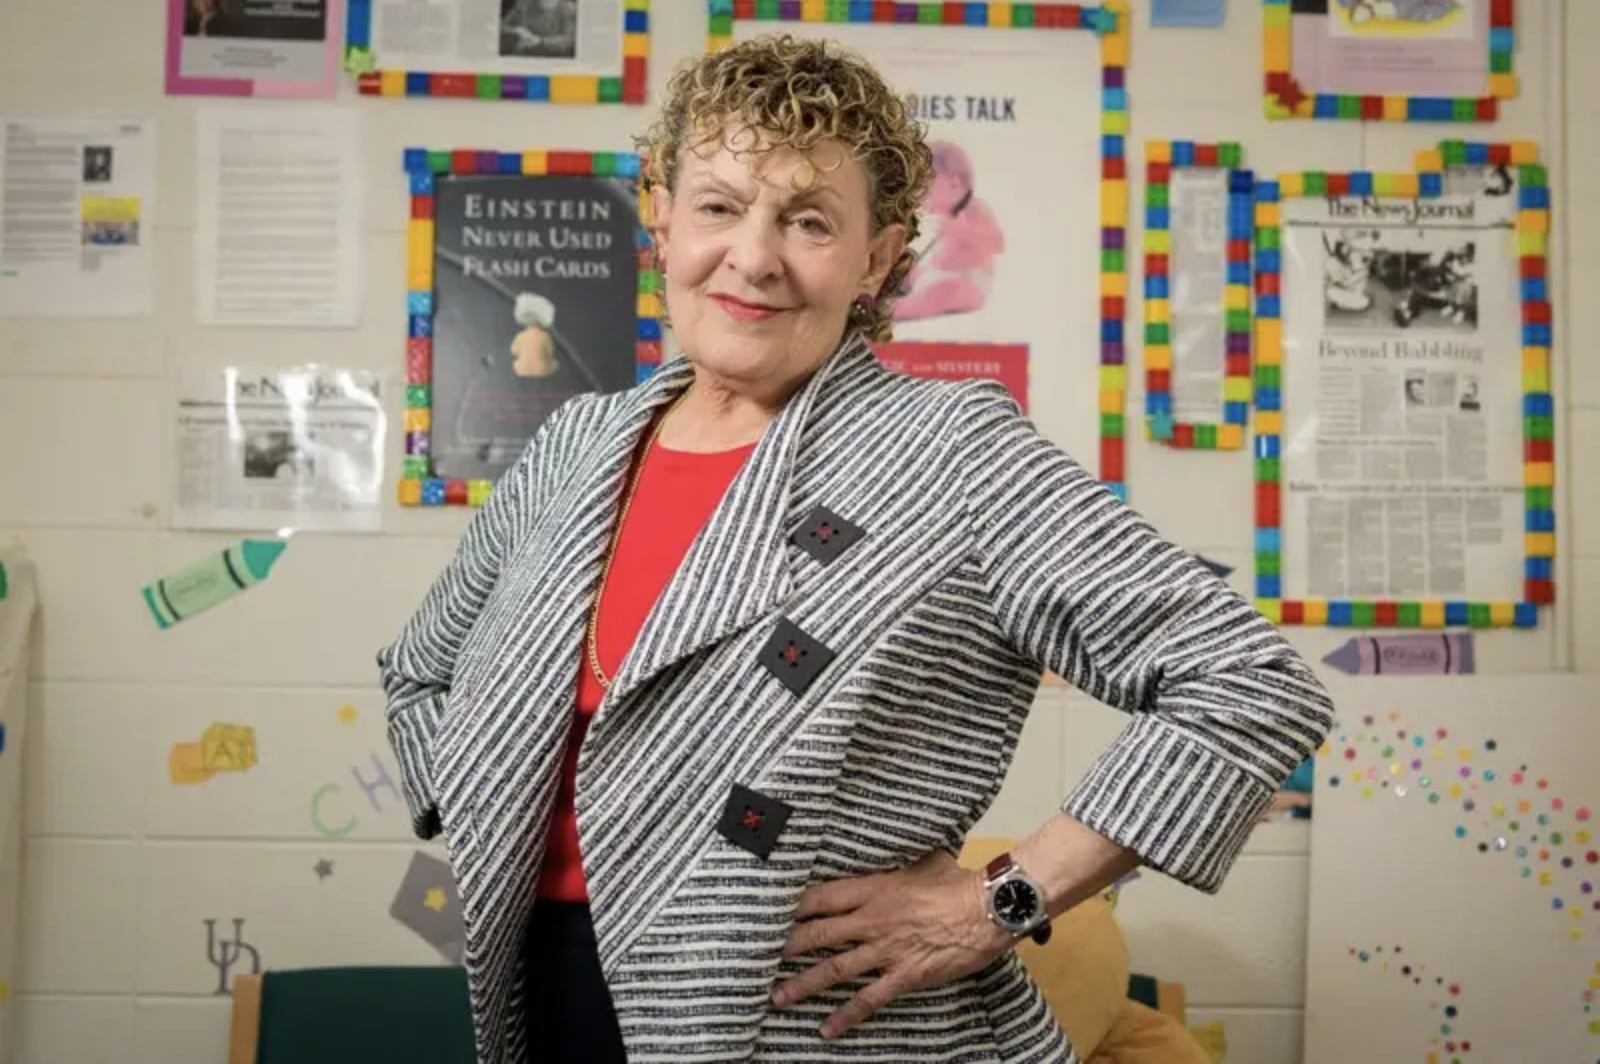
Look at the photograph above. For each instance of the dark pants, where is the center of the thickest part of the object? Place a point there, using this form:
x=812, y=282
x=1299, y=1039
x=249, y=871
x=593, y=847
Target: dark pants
x=570, y=1019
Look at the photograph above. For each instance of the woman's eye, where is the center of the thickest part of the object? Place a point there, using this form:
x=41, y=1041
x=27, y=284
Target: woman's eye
x=813, y=225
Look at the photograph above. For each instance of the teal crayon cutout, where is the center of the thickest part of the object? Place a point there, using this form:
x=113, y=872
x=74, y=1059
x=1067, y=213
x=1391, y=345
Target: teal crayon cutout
x=212, y=580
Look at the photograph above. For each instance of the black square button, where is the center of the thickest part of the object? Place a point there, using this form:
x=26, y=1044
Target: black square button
x=752, y=821
x=794, y=657
x=825, y=535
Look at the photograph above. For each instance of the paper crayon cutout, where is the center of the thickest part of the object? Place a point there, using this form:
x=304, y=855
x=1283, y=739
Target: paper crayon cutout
x=212, y=580
x=1218, y=568
x=427, y=903
x=1404, y=655
x=5, y=584
x=186, y=764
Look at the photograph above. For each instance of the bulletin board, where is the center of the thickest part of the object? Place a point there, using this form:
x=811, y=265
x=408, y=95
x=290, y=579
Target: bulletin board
x=1455, y=873
x=1044, y=256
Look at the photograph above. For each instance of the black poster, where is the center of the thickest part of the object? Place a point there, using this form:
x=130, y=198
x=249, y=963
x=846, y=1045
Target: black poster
x=535, y=300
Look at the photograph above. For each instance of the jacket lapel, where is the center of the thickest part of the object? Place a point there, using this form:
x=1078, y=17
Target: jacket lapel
x=737, y=569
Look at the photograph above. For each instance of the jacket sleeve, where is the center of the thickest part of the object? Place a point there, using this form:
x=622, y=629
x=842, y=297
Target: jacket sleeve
x=416, y=670
x=1222, y=708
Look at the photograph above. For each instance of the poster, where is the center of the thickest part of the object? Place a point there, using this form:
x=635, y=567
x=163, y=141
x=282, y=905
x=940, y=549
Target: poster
x=253, y=47
x=1009, y=253
x=278, y=450
x=536, y=285
x=75, y=202
x=1199, y=265
x=506, y=37
x=1454, y=908
x=1423, y=48
x=278, y=237
x=1006, y=363
x=1402, y=469
x=1188, y=13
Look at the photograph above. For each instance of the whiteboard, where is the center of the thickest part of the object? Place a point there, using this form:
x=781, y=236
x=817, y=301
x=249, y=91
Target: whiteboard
x=1455, y=873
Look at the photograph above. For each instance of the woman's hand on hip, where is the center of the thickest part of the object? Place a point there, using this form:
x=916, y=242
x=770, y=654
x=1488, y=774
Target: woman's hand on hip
x=920, y=927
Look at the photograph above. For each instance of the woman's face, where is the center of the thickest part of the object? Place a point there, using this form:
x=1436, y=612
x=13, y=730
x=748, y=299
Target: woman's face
x=764, y=253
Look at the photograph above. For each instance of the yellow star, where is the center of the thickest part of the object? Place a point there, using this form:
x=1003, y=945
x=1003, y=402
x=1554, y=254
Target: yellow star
x=435, y=899
x=347, y=714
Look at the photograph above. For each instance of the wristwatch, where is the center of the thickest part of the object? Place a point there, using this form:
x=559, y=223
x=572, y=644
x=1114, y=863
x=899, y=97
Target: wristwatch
x=1015, y=902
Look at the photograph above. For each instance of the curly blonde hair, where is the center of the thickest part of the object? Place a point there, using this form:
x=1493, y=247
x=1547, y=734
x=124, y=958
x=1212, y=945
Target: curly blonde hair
x=798, y=93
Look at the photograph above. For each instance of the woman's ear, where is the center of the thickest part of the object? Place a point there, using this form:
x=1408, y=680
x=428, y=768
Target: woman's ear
x=657, y=223
x=884, y=251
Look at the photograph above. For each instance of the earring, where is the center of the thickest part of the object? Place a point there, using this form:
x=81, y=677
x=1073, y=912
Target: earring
x=859, y=308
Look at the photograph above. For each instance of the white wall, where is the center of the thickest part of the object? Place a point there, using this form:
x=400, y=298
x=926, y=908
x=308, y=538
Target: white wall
x=123, y=867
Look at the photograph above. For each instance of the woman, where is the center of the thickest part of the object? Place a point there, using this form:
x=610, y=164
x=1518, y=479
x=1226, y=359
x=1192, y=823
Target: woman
x=727, y=666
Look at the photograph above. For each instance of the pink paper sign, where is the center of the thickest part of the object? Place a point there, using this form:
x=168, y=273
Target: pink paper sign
x=275, y=48
x=953, y=361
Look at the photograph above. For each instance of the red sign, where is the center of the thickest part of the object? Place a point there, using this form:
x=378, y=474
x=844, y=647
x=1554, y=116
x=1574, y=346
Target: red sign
x=955, y=361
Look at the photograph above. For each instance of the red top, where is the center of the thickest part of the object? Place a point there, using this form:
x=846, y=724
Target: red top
x=677, y=492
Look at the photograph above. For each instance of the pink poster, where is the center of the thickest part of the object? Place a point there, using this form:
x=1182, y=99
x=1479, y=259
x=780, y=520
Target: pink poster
x=278, y=48
x=955, y=360
x=1427, y=48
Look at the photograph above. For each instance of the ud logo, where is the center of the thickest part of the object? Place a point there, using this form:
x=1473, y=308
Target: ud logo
x=224, y=954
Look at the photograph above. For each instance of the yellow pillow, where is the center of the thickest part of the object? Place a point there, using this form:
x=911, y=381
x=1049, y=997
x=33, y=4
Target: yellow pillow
x=1083, y=970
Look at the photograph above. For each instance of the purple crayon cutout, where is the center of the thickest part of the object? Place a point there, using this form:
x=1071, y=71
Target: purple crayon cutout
x=1404, y=655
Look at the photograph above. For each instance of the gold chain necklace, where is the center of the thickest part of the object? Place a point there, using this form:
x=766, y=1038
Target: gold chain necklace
x=593, y=639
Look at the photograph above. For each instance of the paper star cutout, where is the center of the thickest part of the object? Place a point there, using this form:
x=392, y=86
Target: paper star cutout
x=323, y=868
x=435, y=899
x=347, y=714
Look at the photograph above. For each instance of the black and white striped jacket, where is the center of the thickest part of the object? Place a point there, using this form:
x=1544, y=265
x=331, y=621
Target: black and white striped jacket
x=877, y=692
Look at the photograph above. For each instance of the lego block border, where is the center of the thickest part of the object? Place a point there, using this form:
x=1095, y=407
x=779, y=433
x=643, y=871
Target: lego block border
x=1162, y=158
x=1110, y=22
x=418, y=486
x=1538, y=405
x=1287, y=99
x=628, y=86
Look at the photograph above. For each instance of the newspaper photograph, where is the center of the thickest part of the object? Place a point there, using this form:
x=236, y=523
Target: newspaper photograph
x=1402, y=458
x=297, y=449
x=515, y=37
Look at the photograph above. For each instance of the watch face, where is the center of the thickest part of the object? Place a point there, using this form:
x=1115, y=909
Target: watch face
x=1015, y=903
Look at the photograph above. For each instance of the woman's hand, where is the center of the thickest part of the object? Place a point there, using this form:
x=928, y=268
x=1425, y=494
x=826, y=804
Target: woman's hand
x=920, y=927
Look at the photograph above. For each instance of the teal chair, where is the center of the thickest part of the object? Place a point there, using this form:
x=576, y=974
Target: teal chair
x=339, y=1015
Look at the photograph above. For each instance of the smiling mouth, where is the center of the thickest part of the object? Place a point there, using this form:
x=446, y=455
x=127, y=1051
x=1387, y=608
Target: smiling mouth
x=739, y=310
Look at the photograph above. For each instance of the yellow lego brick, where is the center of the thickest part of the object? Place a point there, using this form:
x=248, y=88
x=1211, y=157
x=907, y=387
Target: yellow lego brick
x=1395, y=108
x=1432, y=614
x=1503, y=86
x=636, y=45
x=1114, y=203
x=1114, y=50
x=535, y=163
x=1113, y=379
x=637, y=5
x=1158, y=241
x=717, y=44
x=1230, y=437
x=649, y=305
x=1408, y=186
x=1383, y=184
x=1000, y=14
x=1269, y=341
x=1114, y=123
x=1535, y=380
x=1539, y=544
x=1524, y=152
x=1314, y=611
x=1533, y=221
x=574, y=88
x=1305, y=108
x=1158, y=151
x=418, y=419
x=1271, y=609
x=1275, y=111
x=1236, y=297
x=419, y=277
x=409, y=492
x=1530, y=243
x=813, y=10
x=1269, y=214
x=1114, y=285
x=1291, y=186
x=1236, y=389
x=1429, y=161
x=1538, y=475
x=1275, y=49
x=1536, y=360
x=1157, y=356
x=1269, y=422
x=1111, y=402
x=1157, y=311
x=1502, y=614
x=392, y=83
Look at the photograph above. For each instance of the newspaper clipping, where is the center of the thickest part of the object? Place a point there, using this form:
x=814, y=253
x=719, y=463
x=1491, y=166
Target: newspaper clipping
x=280, y=450
x=515, y=37
x=1199, y=276
x=1402, y=468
